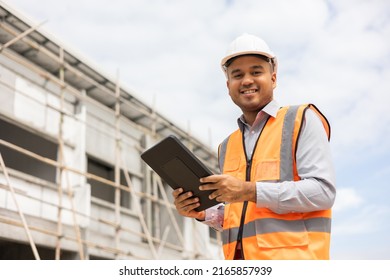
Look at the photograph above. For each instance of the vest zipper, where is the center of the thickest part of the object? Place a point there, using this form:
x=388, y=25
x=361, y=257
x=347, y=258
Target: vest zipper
x=245, y=205
x=248, y=178
x=243, y=213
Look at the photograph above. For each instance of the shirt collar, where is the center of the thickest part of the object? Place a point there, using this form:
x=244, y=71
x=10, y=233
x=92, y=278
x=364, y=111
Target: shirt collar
x=271, y=109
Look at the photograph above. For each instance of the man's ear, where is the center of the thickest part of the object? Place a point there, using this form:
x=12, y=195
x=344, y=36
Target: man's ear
x=273, y=78
x=228, y=86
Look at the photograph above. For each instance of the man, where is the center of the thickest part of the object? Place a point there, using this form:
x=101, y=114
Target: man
x=277, y=184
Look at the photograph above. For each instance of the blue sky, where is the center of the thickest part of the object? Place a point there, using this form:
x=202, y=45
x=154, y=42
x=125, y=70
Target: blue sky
x=335, y=54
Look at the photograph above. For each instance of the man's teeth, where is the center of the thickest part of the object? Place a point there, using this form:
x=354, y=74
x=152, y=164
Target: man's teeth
x=249, y=91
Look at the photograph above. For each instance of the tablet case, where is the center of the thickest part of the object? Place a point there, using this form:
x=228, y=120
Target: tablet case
x=179, y=167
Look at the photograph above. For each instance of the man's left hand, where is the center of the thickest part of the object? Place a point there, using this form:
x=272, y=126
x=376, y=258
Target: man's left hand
x=228, y=188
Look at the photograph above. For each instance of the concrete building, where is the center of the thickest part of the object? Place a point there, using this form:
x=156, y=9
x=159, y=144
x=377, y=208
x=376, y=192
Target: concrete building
x=72, y=183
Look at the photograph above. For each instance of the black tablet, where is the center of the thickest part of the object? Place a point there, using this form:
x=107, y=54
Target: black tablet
x=179, y=167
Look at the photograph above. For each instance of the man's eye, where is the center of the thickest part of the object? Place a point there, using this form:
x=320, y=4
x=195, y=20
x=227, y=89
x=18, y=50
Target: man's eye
x=237, y=76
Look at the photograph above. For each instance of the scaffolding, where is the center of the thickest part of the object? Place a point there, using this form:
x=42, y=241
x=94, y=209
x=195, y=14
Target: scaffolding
x=84, y=113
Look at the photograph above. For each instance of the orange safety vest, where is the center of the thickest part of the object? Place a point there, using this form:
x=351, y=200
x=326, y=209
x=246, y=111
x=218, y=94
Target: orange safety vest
x=263, y=233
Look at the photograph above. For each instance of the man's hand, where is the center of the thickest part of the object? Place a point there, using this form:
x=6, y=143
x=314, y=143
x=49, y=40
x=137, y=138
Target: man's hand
x=186, y=204
x=228, y=188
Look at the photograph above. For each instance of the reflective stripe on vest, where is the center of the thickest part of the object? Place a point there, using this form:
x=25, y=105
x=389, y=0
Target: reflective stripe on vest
x=292, y=235
x=270, y=225
x=286, y=149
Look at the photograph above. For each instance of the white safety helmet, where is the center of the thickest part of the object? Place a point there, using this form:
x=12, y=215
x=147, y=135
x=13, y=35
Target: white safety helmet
x=249, y=44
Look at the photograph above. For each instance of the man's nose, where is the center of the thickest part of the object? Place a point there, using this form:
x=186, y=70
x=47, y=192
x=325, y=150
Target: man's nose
x=247, y=80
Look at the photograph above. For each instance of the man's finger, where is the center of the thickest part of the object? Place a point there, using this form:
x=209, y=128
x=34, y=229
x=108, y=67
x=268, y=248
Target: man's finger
x=183, y=197
x=207, y=187
x=209, y=179
x=177, y=192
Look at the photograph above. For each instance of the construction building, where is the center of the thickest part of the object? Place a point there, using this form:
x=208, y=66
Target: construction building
x=72, y=183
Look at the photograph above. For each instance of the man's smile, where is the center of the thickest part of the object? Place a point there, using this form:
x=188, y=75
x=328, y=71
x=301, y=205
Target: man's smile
x=248, y=91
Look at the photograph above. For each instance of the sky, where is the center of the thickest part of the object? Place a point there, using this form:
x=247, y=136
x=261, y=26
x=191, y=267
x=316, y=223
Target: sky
x=334, y=54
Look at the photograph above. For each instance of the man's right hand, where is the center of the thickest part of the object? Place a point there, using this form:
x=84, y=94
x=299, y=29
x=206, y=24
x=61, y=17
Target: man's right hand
x=186, y=204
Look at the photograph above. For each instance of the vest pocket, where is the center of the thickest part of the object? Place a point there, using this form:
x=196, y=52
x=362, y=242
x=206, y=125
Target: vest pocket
x=277, y=233
x=232, y=166
x=268, y=170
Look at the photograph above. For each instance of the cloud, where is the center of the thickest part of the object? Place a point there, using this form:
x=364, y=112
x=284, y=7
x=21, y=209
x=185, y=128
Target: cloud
x=368, y=219
x=346, y=199
x=353, y=215
x=342, y=69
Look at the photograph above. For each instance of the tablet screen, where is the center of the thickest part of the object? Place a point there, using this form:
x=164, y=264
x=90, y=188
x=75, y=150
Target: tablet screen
x=179, y=167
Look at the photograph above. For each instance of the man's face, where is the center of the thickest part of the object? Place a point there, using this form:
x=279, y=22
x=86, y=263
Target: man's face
x=250, y=83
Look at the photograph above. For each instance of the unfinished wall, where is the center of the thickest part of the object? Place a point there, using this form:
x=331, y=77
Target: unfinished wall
x=71, y=141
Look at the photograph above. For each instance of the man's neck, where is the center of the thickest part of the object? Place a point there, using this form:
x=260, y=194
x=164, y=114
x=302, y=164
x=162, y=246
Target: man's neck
x=251, y=117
